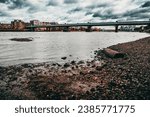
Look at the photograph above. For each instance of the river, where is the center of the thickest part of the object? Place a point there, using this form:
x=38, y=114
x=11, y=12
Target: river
x=51, y=46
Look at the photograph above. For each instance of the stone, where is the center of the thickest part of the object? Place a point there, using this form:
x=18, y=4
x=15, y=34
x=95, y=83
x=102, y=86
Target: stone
x=73, y=62
x=66, y=65
x=2, y=83
x=98, y=68
x=63, y=58
x=81, y=62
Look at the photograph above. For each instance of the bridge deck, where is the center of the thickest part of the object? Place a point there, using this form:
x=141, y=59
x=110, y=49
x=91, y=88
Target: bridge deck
x=94, y=24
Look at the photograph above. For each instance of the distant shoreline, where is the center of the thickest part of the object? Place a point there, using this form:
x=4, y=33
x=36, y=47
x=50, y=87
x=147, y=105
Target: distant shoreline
x=74, y=31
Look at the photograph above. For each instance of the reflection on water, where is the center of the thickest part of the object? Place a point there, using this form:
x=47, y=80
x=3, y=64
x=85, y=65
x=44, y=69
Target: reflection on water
x=51, y=46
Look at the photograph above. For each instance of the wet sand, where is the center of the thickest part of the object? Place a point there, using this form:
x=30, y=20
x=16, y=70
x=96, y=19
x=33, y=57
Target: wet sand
x=102, y=78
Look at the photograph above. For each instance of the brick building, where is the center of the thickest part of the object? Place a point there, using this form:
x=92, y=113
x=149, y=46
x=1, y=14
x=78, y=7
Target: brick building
x=18, y=25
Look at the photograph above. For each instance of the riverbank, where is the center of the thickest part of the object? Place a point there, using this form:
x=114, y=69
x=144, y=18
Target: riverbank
x=101, y=78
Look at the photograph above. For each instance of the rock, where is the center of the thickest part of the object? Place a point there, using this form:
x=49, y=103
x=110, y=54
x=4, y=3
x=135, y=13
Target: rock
x=2, y=83
x=28, y=65
x=21, y=39
x=87, y=92
x=82, y=73
x=92, y=72
x=98, y=68
x=54, y=64
x=58, y=65
x=1, y=68
x=64, y=58
x=112, y=83
x=93, y=66
x=88, y=64
x=81, y=62
x=95, y=52
x=99, y=52
x=92, y=89
x=149, y=60
x=21, y=80
x=95, y=78
x=66, y=65
x=73, y=62
x=77, y=66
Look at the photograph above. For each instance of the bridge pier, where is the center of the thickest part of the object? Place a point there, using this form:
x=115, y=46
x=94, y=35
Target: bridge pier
x=66, y=29
x=32, y=29
x=89, y=29
x=53, y=29
x=116, y=28
x=47, y=29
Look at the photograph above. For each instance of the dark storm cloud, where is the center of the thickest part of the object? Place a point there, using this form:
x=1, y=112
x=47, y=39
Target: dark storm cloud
x=138, y=13
x=33, y=9
x=13, y=4
x=97, y=6
x=105, y=15
x=146, y=4
x=88, y=13
x=70, y=10
x=18, y=4
x=102, y=15
x=70, y=1
x=52, y=3
x=135, y=14
x=3, y=14
x=4, y=1
x=78, y=9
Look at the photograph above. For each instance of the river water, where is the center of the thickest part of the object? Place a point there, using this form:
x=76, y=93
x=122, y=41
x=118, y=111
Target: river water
x=51, y=46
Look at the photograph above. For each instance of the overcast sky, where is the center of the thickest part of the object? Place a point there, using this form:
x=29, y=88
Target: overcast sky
x=74, y=10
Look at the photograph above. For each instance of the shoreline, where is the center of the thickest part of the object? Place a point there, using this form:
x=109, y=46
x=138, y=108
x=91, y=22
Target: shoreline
x=102, y=78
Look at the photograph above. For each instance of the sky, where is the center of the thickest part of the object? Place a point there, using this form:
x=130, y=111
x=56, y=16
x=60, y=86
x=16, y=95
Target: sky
x=74, y=11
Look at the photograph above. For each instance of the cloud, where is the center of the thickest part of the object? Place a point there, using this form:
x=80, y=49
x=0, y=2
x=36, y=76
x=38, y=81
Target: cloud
x=146, y=4
x=18, y=4
x=52, y=3
x=77, y=9
x=3, y=14
x=70, y=1
x=88, y=13
x=138, y=13
x=107, y=14
x=13, y=4
x=4, y=1
x=97, y=6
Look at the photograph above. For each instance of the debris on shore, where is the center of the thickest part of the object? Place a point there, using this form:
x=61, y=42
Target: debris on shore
x=124, y=78
x=113, y=53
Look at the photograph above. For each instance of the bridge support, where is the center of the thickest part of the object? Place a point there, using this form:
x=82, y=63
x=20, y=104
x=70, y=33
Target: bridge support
x=116, y=28
x=89, y=29
x=32, y=29
x=47, y=29
x=66, y=29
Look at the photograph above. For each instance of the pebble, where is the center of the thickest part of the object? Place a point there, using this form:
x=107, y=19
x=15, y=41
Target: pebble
x=64, y=58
